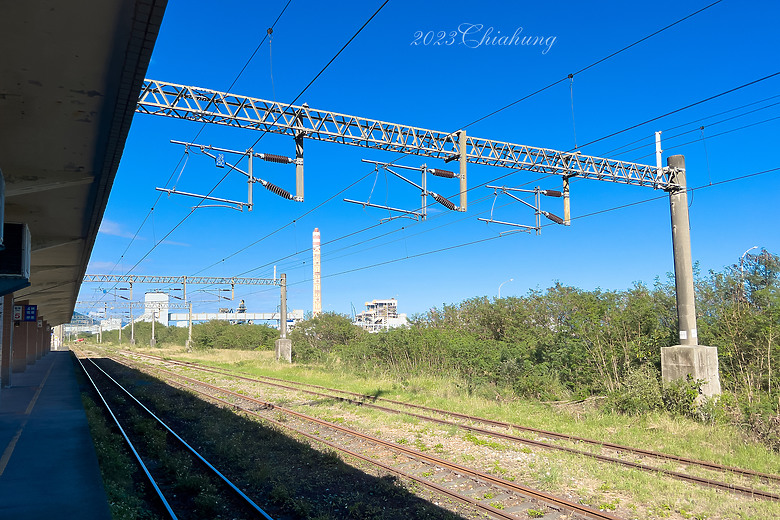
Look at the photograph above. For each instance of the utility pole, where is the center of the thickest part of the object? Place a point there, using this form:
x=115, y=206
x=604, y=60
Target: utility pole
x=283, y=345
x=152, y=341
x=189, y=336
x=132, y=326
x=687, y=358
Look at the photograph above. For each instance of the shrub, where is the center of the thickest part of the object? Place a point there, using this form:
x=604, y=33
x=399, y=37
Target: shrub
x=639, y=393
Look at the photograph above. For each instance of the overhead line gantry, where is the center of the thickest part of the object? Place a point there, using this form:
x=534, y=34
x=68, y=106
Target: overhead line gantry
x=300, y=121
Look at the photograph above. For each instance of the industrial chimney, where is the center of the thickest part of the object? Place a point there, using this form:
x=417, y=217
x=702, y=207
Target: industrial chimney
x=317, y=306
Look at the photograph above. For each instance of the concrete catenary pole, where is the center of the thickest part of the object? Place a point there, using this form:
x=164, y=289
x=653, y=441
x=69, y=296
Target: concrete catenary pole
x=688, y=359
x=283, y=345
x=681, y=244
x=283, y=307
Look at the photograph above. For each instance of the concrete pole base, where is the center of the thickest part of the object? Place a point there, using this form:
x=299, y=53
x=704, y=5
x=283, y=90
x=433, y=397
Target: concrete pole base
x=283, y=349
x=697, y=360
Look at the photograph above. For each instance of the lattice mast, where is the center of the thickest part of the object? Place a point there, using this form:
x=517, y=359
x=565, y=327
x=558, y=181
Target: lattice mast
x=317, y=292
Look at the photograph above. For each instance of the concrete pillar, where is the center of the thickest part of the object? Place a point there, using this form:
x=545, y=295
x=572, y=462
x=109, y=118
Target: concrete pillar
x=681, y=245
x=6, y=340
x=19, y=360
x=283, y=346
x=19, y=363
x=32, y=341
x=688, y=358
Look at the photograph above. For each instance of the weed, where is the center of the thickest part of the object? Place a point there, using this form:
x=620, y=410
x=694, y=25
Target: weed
x=534, y=513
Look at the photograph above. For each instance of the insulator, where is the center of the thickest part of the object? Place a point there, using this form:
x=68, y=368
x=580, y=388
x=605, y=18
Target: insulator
x=281, y=159
x=552, y=193
x=273, y=188
x=443, y=173
x=554, y=218
x=443, y=201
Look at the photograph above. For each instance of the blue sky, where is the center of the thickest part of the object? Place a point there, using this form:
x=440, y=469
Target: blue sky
x=382, y=75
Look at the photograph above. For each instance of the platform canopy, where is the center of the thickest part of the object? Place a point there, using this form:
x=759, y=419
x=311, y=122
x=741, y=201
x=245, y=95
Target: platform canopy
x=70, y=75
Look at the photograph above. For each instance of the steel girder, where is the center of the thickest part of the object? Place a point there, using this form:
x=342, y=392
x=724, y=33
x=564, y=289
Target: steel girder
x=211, y=106
x=197, y=280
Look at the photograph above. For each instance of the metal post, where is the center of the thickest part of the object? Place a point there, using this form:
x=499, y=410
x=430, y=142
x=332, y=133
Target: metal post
x=299, y=167
x=681, y=245
x=132, y=320
x=424, y=192
x=566, y=203
x=250, y=180
x=283, y=308
x=152, y=341
x=538, y=201
x=189, y=337
x=120, y=328
x=462, y=161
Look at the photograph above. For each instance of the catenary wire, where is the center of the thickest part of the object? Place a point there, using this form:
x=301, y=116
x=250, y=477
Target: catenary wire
x=570, y=76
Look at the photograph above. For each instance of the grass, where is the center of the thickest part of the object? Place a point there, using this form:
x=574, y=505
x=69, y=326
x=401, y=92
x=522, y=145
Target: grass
x=631, y=492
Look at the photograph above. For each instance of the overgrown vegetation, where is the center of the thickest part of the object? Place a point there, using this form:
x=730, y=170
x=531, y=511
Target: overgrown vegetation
x=211, y=334
x=566, y=343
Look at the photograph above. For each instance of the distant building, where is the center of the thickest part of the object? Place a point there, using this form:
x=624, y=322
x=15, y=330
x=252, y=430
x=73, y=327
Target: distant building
x=155, y=308
x=381, y=315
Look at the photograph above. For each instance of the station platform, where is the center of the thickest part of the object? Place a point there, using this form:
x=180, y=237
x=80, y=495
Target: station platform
x=48, y=466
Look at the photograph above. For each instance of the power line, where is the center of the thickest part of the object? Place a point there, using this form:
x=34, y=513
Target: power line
x=570, y=77
x=605, y=58
x=718, y=134
x=473, y=242
x=666, y=139
x=203, y=126
x=695, y=121
x=151, y=211
x=258, y=140
x=686, y=107
x=581, y=70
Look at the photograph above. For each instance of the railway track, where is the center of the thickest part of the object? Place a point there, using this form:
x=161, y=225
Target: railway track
x=492, y=495
x=618, y=450
x=175, y=502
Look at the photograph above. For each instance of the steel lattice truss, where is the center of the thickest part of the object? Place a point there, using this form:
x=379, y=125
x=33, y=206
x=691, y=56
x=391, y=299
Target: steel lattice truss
x=198, y=280
x=128, y=305
x=210, y=106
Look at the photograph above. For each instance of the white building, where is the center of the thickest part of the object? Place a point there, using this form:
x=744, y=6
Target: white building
x=381, y=315
x=155, y=304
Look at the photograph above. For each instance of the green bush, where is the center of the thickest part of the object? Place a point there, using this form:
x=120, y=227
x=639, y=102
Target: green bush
x=681, y=397
x=222, y=334
x=640, y=393
x=316, y=338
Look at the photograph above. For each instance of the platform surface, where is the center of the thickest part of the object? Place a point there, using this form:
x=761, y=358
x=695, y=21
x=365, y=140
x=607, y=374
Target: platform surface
x=48, y=466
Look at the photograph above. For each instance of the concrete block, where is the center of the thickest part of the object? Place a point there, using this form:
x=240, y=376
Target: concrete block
x=283, y=348
x=697, y=360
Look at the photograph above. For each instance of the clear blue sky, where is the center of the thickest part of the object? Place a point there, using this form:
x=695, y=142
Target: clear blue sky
x=382, y=75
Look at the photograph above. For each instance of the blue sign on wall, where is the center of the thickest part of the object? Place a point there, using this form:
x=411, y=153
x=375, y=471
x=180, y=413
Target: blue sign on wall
x=30, y=313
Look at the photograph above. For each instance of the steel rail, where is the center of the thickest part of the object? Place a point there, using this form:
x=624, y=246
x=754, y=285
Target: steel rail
x=429, y=459
x=616, y=447
x=197, y=455
x=130, y=445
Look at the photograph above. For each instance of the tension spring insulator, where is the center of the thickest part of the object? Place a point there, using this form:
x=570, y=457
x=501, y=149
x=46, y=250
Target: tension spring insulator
x=273, y=188
x=443, y=173
x=281, y=159
x=553, y=217
x=443, y=201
